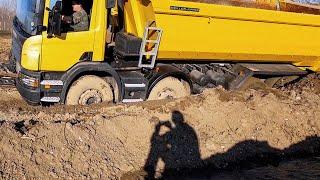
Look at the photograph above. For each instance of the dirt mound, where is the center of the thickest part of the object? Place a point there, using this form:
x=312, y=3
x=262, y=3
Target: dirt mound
x=104, y=141
x=310, y=83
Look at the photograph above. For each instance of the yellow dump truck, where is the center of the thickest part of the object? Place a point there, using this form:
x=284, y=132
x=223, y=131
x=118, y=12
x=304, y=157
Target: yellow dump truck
x=136, y=50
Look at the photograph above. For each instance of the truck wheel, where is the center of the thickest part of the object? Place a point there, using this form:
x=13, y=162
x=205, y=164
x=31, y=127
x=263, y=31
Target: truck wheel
x=169, y=88
x=89, y=90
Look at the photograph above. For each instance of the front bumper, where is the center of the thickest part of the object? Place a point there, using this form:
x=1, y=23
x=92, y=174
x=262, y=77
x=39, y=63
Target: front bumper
x=31, y=95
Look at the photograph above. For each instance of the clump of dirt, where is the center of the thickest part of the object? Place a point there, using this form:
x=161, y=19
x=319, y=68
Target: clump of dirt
x=310, y=83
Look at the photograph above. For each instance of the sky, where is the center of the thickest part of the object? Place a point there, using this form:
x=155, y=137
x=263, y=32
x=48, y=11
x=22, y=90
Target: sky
x=1, y=1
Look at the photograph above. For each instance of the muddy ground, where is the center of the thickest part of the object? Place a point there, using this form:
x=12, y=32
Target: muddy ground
x=217, y=128
x=4, y=48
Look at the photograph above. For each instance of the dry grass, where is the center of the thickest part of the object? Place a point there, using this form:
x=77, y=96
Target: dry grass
x=5, y=45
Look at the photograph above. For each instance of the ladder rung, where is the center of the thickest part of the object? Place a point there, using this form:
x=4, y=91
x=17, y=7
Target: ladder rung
x=152, y=41
x=149, y=53
x=152, y=53
x=154, y=28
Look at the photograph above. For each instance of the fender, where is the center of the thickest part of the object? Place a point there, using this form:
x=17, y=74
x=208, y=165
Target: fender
x=162, y=71
x=87, y=68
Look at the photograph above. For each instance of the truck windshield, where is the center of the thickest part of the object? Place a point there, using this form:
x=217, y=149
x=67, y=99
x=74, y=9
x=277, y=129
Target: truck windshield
x=29, y=14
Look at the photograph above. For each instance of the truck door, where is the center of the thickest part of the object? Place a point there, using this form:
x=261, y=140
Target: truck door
x=62, y=52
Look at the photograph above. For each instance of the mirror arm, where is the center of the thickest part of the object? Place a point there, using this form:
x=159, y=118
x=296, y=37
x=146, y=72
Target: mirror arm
x=48, y=9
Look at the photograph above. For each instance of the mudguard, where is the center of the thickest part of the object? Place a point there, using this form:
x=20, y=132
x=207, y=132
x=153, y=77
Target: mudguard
x=162, y=71
x=87, y=68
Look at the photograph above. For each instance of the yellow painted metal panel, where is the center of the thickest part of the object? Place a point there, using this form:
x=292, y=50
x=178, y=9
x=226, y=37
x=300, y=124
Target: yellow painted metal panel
x=227, y=33
x=216, y=36
x=98, y=26
x=232, y=12
x=138, y=14
x=31, y=51
x=61, y=53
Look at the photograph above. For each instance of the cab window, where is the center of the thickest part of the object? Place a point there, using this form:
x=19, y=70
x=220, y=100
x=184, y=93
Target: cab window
x=76, y=14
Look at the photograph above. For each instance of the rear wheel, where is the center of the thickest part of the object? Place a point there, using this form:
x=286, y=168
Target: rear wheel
x=170, y=88
x=89, y=90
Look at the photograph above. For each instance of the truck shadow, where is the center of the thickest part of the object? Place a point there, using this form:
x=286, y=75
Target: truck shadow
x=175, y=152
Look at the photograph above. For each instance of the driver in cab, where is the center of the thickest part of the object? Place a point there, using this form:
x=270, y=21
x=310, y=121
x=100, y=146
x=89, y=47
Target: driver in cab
x=79, y=21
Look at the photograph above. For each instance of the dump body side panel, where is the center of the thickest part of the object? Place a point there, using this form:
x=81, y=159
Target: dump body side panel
x=198, y=31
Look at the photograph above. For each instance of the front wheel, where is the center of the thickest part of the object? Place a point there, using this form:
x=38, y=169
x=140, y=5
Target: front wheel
x=170, y=88
x=89, y=90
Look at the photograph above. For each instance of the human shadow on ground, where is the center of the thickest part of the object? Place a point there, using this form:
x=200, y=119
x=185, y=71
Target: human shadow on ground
x=175, y=149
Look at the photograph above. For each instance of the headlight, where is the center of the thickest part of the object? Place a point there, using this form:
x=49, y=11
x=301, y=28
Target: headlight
x=29, y=81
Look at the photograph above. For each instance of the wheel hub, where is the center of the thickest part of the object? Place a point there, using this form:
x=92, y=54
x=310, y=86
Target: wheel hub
x=166, y=94
x=90, y=97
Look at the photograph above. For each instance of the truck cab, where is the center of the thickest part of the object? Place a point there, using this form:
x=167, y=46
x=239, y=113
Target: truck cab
x=45, y=60
x=58, y=65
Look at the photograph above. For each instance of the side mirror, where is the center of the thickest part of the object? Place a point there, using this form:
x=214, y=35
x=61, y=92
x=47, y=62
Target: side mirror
x=58, y=6
x=55, y=18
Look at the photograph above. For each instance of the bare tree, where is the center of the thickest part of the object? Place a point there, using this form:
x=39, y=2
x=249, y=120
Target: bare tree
x=10, y=5
x=7, y=9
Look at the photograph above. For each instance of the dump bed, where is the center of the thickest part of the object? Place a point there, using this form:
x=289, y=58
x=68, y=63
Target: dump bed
x=200, y=31
x=278, y=5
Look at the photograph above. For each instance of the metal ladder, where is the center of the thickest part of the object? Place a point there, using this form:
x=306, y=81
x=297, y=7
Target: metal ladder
x=147, y=59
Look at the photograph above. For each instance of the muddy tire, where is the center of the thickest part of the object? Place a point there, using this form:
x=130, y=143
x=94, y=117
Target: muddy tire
x=89, y=90
x=169, y=88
